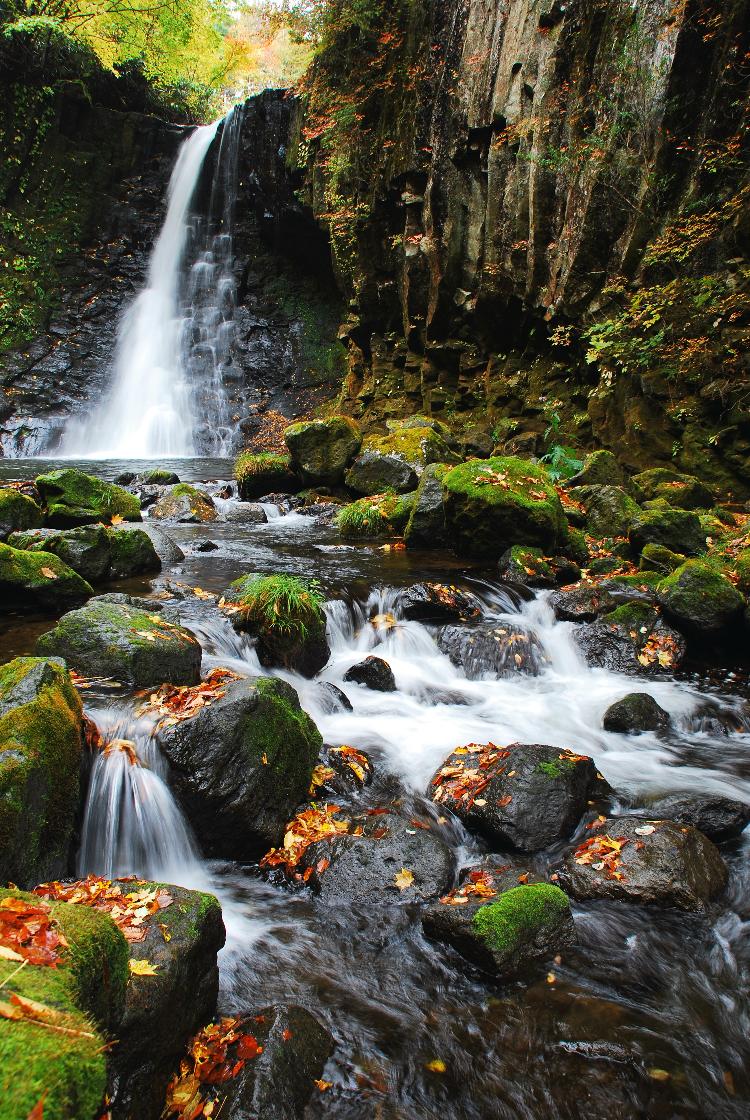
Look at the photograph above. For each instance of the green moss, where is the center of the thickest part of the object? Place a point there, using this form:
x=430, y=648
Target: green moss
x=369, y=517
x=277, y=722
x=741, y=567
x=262, y=472
x=25, y=580
x=552, y=769
x=323, y=449
x=280, y=604
x=418, y=446
x=657, y=558
x=132, y=552
x=517, y=914
x=183, y=921
x=71, y=497
x=632, y=616
x=641, y=580
x=576, y=547
x=17, y=511
x=700, y=596
x=676, y=529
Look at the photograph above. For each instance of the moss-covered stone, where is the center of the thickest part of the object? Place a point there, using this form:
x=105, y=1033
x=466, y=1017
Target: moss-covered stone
x=88, y=990
x=600, y=468
x=132, y=553
x=610, y=510
x=71, y=498
x=414, y=444
x=493, y=504
x=683, y=491
x=577, y=548
x=264, y=472
x=700, y=599
x=17, y=511
x=323, y=449
x=657, y=558
x=184, y=503
x=741, y=567
x=676, y=529
x=524, y=924
x=286, y=616
x=426, y=525
x=157, y=476
x=114, y=636
x=521, y=564
x=85, y=549
x=40, y=756
x=374, y=472
x=38, y=581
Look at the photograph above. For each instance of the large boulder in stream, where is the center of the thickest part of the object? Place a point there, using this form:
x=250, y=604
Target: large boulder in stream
x=85, y=549
x=241, y=765
x=634, y=639
x=17, y=511
x=700, y=600
x=426, y=526
x=719, y=818
x=128, y=639
x=635, y=712
x=263, y=472
x=523, y=796
x=186, y=504
x=321, y=450
x=286, y=617
x=492, y=649
x=38, y=581
x=132, y=553
x=71, y=498
x=437, y=603
x=373, y=673
x=40, y=761
x=647, y=861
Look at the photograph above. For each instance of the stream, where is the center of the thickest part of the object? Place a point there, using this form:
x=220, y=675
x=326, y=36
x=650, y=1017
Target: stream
x=648, y=1016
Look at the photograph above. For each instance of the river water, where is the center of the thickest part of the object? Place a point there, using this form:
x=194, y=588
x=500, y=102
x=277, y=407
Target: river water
x=649, y=1016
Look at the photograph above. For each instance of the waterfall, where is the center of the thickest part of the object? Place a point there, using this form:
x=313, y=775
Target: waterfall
x=167, y=397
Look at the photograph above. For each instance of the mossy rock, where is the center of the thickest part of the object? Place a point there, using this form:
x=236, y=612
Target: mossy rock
x=264, y=472
x=657, y=558
x=610, y=511
x=132, y=553
x=241, y=766
x=323, y=449
x=676, y=529
x=159, y=477
x=525, y=924
x=600, y=468
x=374, y=473
x=493, y=504
x=426, y=525
x=576, y=547
x=286, y=616
x=741, y=567
x=414, y=444
x=86, y=549
x=88, y=988
x=186, y=504
x=374, y=516
x=17, y=512
x=683, y=491
x=38, y=581
x=71, y=498
x=527, y=566
x=700, y=599
x=632, y=639
x=40, y=758
x=437, y=426
x=114, y=636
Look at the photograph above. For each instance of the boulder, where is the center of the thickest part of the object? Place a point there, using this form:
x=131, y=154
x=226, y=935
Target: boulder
x=331, y=698
x=246, y=513
x=374, y=673
x=369, y=517
x=133, y=553
x=700, y=599
x=633, y=638
x=241, y=765
x=600, y=468
x=374, y=473
x=157, y=476
x=678, y=530
x=165, y=547
x=437, y=603
x=582, y=604
x=259, y=473
x=286, y=616
x=426, y=525
x=343, y=771
x=636, y=712
x=492, y=649
x=719, y=818
x=17, y=512
x=652, y=861
x=527, y=566
x=71, y=498
x=127, y=639
x=683, y=491
x=322, y=450
x=521, y=927
x=38, y=581
x=418, y=444
x=610, y=511
x=85, y=549
x=657, y=558
x=186, y=504
x=493, y=504
x=41, y=723
x=523, y=796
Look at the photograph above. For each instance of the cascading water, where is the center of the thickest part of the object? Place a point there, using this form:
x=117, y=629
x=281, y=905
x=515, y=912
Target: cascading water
x=168, y=397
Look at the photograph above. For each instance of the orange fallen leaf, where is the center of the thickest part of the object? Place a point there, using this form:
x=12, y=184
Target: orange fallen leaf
x=404, y=879
x=49, y=573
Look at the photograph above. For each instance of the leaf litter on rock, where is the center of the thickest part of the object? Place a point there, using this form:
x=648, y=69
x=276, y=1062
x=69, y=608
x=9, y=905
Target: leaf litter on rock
x=129, y=911
x=174, y=703
x=215, y=1055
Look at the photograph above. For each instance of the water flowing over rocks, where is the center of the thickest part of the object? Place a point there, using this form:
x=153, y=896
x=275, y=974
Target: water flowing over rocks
x=496, y=649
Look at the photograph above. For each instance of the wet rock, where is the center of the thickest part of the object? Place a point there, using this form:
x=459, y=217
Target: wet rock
x=524, y=796
x=492, y=649
x=168, y=551
x=17, y=512
x=343, y=770
x=286, y=617
x=636, y=712
x=127, y=639
x=683, y=491
x=362, y=869
x=700, y=600
x=186, y=504
x=526, y=566
x=600, y=468
x=85, y=549
x=374, y=673
x=610, y=510
x=522, y=926
x=163, y=1011
x=375, y=473
x=38, y=581
x=582, y=604
x=246, y=513
x=332, y=699
x=631, y=639
x=70, y=497
x=426, y=525
x=206, y=546
x=132, y=553
x=40, y=760
x=437, y=603
x=259, y=473
x=657, y=862
x=719, y=818
x=322, y=450
x=241, y=766
x=676, y=529
x=157, y=477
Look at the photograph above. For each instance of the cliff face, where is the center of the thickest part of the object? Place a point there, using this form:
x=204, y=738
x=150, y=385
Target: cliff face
x=538, y=212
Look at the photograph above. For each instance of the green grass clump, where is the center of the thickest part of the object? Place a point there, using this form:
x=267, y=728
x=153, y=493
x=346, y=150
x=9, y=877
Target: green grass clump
x=280, y=604
x=249, y=464
x=368, y=517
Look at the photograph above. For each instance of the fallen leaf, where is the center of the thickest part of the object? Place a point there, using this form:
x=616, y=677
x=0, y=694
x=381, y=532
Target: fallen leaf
x=437, y=1065
x=646, y=830
x=37, y=1112
x=142, y=968
x=404, y=879
x=49, y=573
x=323, y=1085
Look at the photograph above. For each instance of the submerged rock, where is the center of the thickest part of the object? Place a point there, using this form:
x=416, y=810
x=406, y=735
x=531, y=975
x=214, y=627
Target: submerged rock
x=246, y=513
x=71, y=498
x=437, y=602
x=492, y=649
x=524, y=796
x=127, y=639
x=321, y=450
x=332, y=698
x=41, y=723
x=374, y=673
x=185, y=504
x=17, y=512
x=241, y=765
x=38, y=581
x=286, y=616
x=719, y=818
x=636, y=712
x=650, y=861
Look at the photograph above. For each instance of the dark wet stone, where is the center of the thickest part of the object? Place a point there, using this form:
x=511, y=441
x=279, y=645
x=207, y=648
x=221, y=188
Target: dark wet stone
x=206, y=546
x=582, y=604
x=492, y=649
x=437, y=602
x=719, y=818
x=246, y=513
x=166, y=549
x=634, y=641
x=636, y=712
x=332, y=698
x=374, y=673
x=345, y=770
x=662, y=862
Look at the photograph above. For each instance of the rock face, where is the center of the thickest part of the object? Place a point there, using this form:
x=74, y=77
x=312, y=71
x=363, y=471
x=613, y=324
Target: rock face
x=184, y=503
x=38, y=581
x=242, y=765
x=127, y=639
x=492, y=649
x=40, y=759
x=71, y=498
x=374, y=673
x=322, y=450
x=522, y=796
x=636, y=712
x=719, y=818
x=654, y=862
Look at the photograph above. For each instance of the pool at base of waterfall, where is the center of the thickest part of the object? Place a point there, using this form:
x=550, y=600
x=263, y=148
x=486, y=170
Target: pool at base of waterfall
x=647, y=1015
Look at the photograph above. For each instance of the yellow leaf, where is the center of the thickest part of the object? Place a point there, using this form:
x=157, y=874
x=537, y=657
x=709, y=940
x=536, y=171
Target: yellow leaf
x=165, y=931
x=142, y=968
x=323, y=1085
x=116, y=519
x=7, y=954
x=404, y=879
x=49, y=573
x=437, y=1065
x=147, y=634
